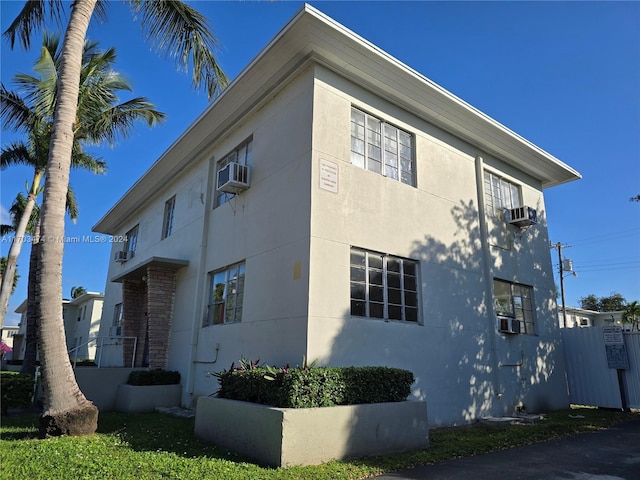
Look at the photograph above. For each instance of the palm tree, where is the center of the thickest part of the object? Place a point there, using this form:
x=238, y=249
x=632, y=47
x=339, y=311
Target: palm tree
x=100, y=119
x=66, y=410
x=631, y=314
x=78, y=291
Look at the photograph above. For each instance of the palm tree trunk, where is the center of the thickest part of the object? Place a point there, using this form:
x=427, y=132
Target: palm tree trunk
x=33, y=312
x=66, y=410
x=16, y=246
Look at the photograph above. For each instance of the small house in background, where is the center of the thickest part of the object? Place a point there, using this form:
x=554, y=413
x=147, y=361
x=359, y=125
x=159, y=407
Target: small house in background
x=81, y=316
x=580, y=318
x=335, y=204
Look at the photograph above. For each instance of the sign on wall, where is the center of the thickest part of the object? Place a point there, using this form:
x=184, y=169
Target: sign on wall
x=614, y=346
x=328, y=176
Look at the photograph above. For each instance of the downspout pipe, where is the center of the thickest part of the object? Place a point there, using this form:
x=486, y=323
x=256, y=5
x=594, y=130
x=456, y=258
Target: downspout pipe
x=200, y=289
x=488, y=277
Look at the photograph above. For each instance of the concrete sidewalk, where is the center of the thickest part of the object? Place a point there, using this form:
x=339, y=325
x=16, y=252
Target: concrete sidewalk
x=612, y=454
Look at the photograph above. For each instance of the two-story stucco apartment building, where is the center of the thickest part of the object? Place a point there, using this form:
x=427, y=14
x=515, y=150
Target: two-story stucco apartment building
x=335, y=204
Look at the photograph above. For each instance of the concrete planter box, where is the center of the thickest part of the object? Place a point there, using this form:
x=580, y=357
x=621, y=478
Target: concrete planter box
x=138, y=399
x=284, y=437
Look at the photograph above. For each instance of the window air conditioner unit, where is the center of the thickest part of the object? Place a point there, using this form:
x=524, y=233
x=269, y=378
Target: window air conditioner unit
x=522, y=216
x=509, y=325
x=122, y=256
x=115, y=331
x=233, y=178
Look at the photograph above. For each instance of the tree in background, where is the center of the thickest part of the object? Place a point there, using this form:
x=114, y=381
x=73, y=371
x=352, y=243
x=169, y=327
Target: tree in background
x=612, y=303
x=632, y=314
x=182, y=33
x=590, y=302
x=77, y=291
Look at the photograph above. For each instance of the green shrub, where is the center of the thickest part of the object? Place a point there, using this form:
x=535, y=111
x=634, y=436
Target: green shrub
x=154, y=377
x=16, y=390
x=315, y=387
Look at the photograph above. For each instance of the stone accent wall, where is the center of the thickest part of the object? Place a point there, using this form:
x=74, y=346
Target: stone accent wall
x=134, y=319
x=161, y=290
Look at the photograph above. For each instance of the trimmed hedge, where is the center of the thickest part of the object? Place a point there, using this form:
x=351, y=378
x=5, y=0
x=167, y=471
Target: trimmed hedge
x=316, y=387
x=153, y=377
x=16, y=390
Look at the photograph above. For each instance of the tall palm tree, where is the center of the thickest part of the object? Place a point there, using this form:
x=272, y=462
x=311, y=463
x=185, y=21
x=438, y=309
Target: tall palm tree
x=66, y=410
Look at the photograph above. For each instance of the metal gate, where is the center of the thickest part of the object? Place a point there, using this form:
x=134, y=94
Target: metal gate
x=590, y=380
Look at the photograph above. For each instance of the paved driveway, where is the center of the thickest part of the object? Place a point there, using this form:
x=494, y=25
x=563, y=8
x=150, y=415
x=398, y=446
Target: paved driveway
x=612, y=454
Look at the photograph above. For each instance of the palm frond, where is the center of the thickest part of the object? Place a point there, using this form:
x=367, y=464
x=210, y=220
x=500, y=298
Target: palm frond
x=183, y=34
x=17, y=210
x=31, y=18
x=88, y=162
x=16, y=153
x=14, y=111
x=119, y=121
x=72, y=205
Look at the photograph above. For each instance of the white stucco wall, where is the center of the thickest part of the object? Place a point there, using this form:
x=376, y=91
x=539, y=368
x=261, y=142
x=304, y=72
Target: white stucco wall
x=464, y=368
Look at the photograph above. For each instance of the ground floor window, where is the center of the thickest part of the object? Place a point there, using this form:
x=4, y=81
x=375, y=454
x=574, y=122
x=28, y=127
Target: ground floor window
x=383, y=286
x=514, y=307
x=226, y=295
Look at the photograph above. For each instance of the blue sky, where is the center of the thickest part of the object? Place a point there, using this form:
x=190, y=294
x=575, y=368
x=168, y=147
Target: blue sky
x=564, y=75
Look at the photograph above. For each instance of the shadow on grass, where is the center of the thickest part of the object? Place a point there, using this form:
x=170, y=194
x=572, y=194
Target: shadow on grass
x=151, y=432
x=157, y=432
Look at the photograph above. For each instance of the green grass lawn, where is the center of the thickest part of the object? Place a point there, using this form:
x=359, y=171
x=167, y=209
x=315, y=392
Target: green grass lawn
x=155, y=446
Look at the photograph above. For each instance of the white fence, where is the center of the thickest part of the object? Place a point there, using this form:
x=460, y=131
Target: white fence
x=591, y=381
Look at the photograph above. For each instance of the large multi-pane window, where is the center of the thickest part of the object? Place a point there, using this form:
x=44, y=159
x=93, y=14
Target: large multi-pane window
x=382, y=148
x=242, y=154
x=514, y=307
x=132, y=241
x=167, y=223
x=383, y=286
x=226, y=295
x=499, y=194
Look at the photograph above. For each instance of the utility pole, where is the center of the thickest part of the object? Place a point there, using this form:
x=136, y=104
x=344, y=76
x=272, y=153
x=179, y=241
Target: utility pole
x=559, y=247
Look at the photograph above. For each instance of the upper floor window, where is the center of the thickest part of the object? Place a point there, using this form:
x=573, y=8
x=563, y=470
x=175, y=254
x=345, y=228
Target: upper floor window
x=383, y=286
x=226, y=295
x=132, y=241
x=382, y=148
x=500, y=194
x=167, y=223
x=242, y=154
x=514, y=307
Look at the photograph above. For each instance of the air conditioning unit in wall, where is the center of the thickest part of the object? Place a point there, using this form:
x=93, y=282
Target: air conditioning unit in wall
x=115, y=331
x=509, y=325
x=122, y=256
x=233, y=178
x=522, y=216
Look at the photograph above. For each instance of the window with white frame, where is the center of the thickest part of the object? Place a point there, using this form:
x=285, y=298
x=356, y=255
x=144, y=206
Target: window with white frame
x=382, y=148
x=226, y=295
x=383, y=286
x=242, y=154
x=514, y=307
x=500, y=194
x=132, y=241
x=167, y=223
